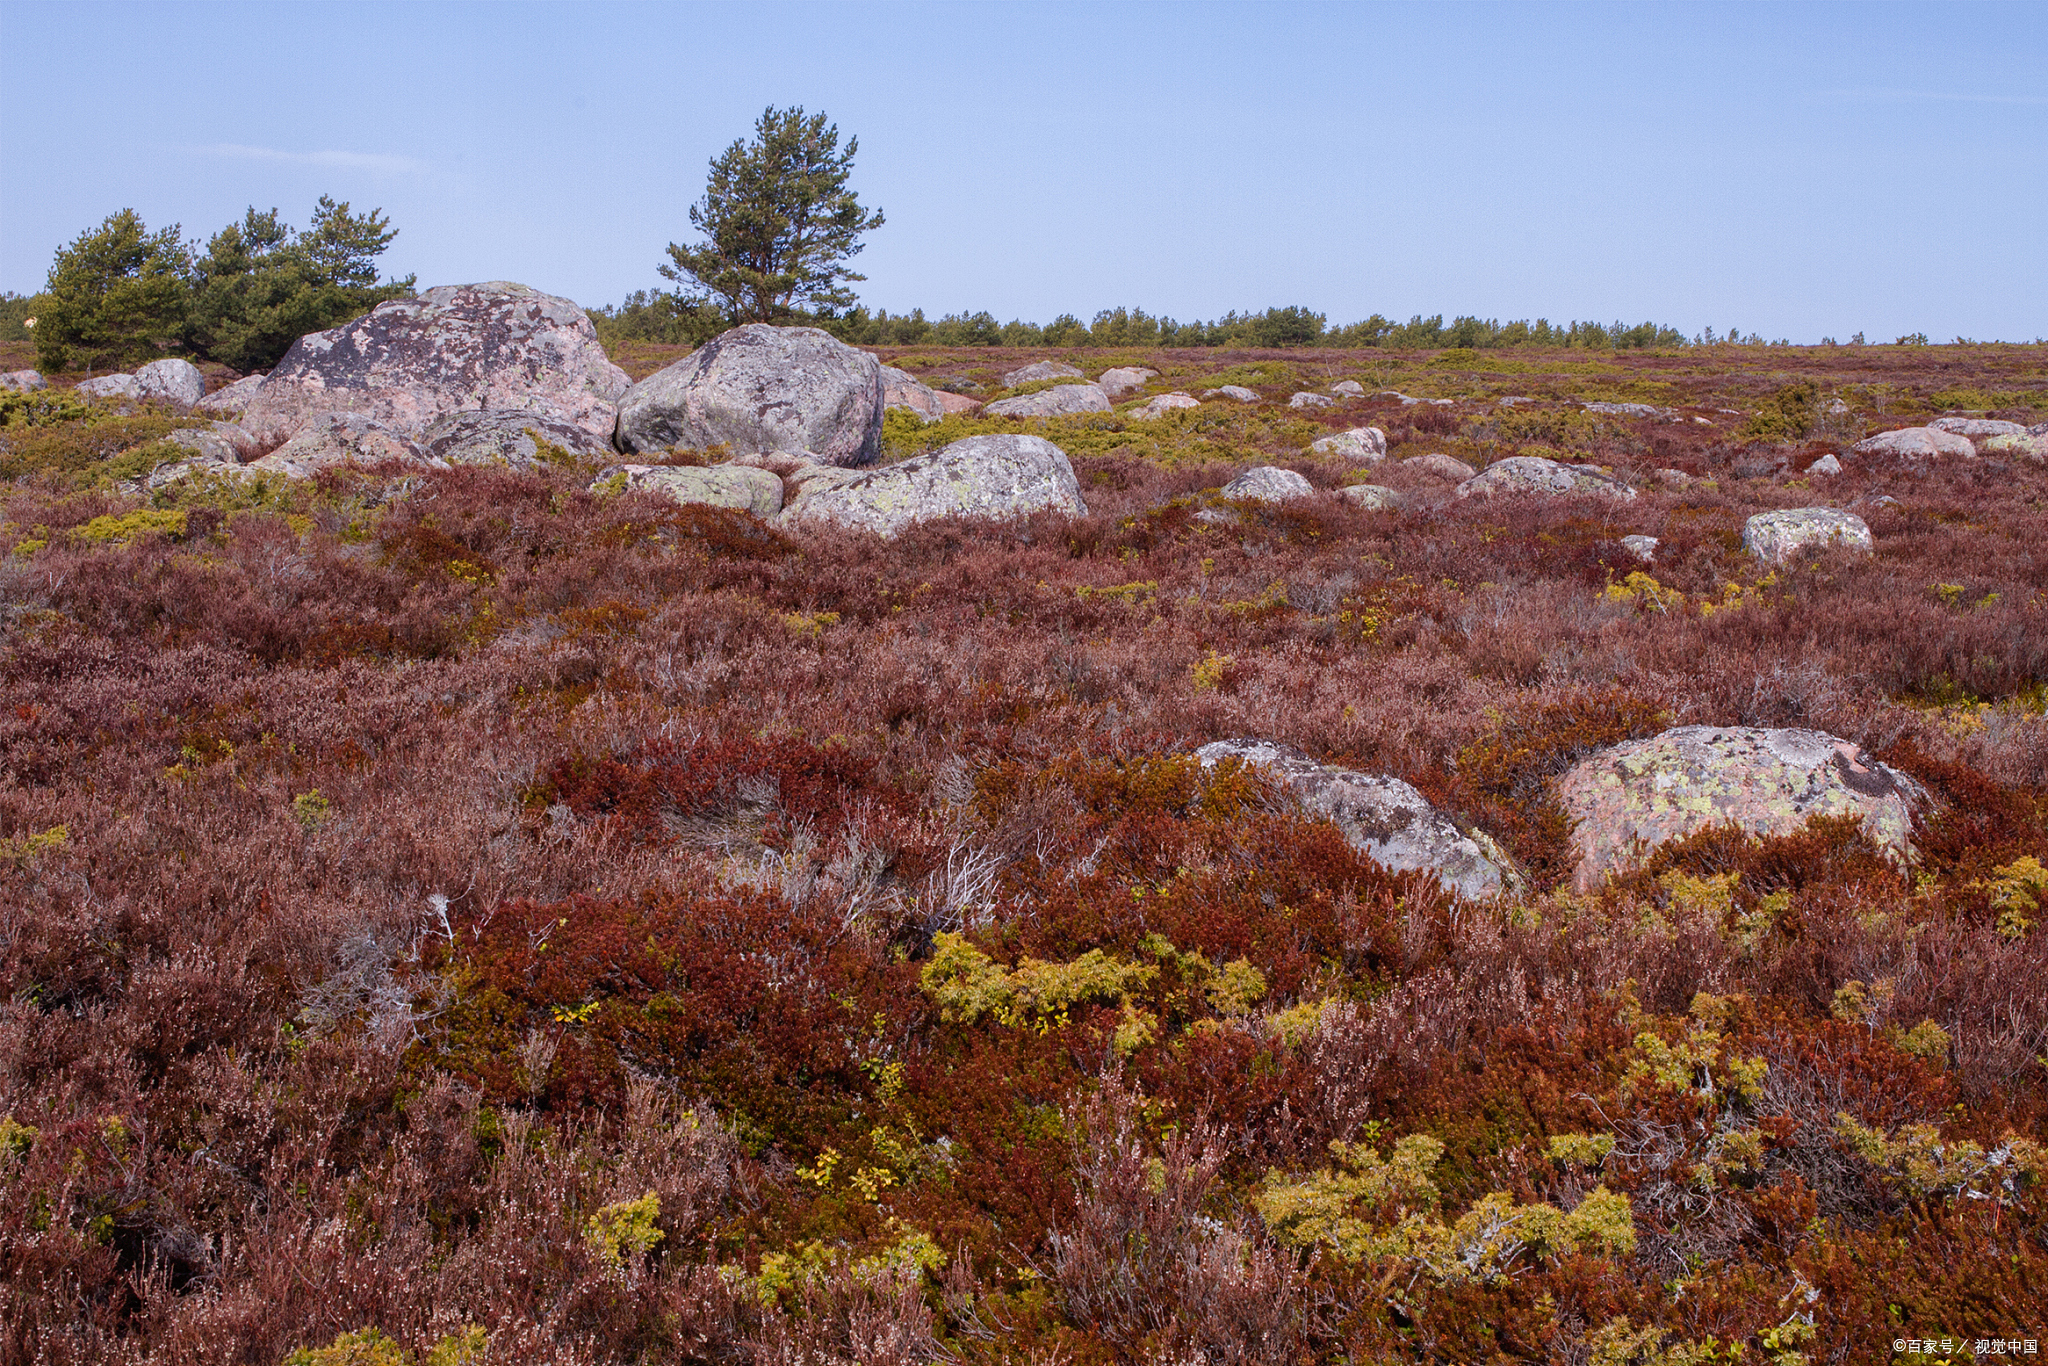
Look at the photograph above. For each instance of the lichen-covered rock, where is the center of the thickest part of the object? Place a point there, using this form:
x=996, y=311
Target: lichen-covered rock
x=901, y=389
x=1161, y=405
x=1349, y=388
x=1000, y=477
x=1626, y=801
x=232, y=398
x=1642, y=547
x=1977, y=430
x=23, y=381
x=950, y=402
x=1628, y=409
x=1916, y=443
x=1038, y=370
x=1123, y=379
x=219, y=443
x=1057, y=401
x=110, y=386
x=1305, y=399
x=1233, y=391
x=1441, y=466
x=1409, y=400
x=1269, y=484
x=2026, y=445
x=1775, y=536
x=1367, y=445
x=740, y=487
x=1534, y=474
x=1826, y=466
x=330, y=439
x=1371, y=497
x=762, y=388
x=1383, y=818
x=508, y=435
x=171, y=381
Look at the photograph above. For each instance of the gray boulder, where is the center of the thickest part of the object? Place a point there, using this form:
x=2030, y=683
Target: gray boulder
x=1534, y=474
x=1350, y=388
x=327, y=440
x=1628, y=409
x=739, y=487
x=1233, y=391
x=232, y=398
x=1628, y=800
x=22, y=381
x=1269, y=484
x=1367, y=445
x=2026, y=445
x=762, y=388
x=1038, y=370
x=1774, y=537
x=1977, y=429
x=217, y=443
x=901, y=389
x=1409, y=400
x=999, y=477
x=111, y=387
x=1825, y=466
x=457, y=348
x=171, y=381
x=1383, y=818
x=1916, y=443
x=950, y=402
x=1440, y=465
x=1161, y=405
x=1370, y=497
x=1124, y=379
x=1642, y=547
x=1308, y=400
x=508, y=435
x=1057, y=401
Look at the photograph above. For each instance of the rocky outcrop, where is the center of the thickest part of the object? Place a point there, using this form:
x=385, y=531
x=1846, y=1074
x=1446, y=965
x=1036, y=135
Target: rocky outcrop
x=232, y=398
x=22, y=382
x=1383, y=818
x=1774, y=537
x=1233, y=391
x=761, y=388
x=1124, y=379
x=1371, y=497
x=739, y=487
x=217, y=443
x=1269, y=484
x=1038, y=370
x=506, y=435
x=901, y=389
x=410, y=362
x=1367, y=445
x=1534, y=474
x=327, y=440
x=1057, y=401
x=1441, y=466
x=1000, y=477
x=1161, y=405
x=1626, y=801
x=1305, y=399
x=1916, y=443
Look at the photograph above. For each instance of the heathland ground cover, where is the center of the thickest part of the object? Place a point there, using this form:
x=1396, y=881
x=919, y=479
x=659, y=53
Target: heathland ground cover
x=469, y=917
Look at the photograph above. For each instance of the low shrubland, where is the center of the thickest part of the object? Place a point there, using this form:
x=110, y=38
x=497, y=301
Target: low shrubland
x=471, y=918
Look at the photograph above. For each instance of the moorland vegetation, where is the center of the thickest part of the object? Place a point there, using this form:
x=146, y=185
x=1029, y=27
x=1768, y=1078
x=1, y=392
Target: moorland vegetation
x=464, y=916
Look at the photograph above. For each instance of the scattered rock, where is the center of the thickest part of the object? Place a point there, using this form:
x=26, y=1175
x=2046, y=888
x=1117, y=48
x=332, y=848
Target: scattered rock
x=171, y=381
x=1383, y=818
x=1534, y=474
x=23, y=381
x=1977, y=429
x=1371, y=497
x=956, y=384
x=1054, y=402
x=1409, y=400
x=505, y=434
x=761, y=388
x=456, y=348
x=950, y=402
x=1161, y=405
x=1441, y=465
x=1038, y=370
x=1628, y=409
x=1350, y=388
x=1000, y=477
x=232, y=398
x=1368, y=445
x=1510, y=400
x=901, y=389
x=2027, y=445
x=1775, y=536
x=217, y=443
x=1916, y=443
x=1677, y=479
x=1825, y=466
x=330, y=439
x=1626, y=801
x=1643, y=548
x=739, y=487
x=1269, y=484
x=1233, y=391
x=1308, y=400
x=1124, y=379
x=110, y=386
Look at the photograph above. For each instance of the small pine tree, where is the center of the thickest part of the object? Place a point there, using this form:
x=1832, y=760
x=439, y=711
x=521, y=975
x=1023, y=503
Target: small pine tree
x=779, y=222
x=117, y=296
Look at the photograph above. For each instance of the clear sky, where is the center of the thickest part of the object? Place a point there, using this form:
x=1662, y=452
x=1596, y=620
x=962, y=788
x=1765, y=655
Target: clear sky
x=1795, y=170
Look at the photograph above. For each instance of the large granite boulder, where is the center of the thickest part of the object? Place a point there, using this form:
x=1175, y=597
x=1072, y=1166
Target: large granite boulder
x=999, y=477
x=508, y=435
x=22, y=381
x=232, y=398
x=740, y=487
x=1383, y=818
x=1775, y=537
x=1534, y=474
x=1038, y=370
x=109, y=387
x=1057, y=401
x=1916, y=443
x=457, y=348
x=1124, y=379
x=1366, y=445
x=1626, y=801
x=1269, y=484
x=762, y=388
x=327, y=440
x=160, y=381
x=1161, y=405
x=901, y=389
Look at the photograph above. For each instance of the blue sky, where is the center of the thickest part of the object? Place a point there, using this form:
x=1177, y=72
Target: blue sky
x=1792, y=170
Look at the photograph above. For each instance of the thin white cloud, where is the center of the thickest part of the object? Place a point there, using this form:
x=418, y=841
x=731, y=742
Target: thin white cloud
x=1894, y=96
x=383, y=162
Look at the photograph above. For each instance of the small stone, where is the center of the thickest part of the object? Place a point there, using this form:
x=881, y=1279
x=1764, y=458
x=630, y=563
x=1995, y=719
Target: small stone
x=1308, y=400
x=1367, y=445
x=1677, y=479
x=1058, y=401
x=1628, y=409
x=1038, y=370
x=1124, y=379
x=1269, y=484
x=1643, y=548
x=1776, y=536
x=1826, y=465
x=1371, y=497
x=1233, y=391
x=1161, y=405
x=1350, y=388
x=1441, y=465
